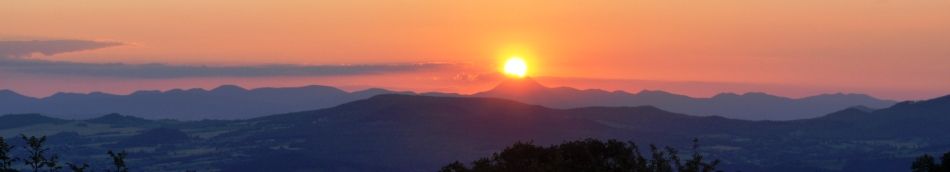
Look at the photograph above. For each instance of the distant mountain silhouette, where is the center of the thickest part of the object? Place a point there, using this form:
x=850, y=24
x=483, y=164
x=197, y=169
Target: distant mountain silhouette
x=224, y=102
x=118, y=119
x=421, y=133
x=19, y=120
x=233, y=102
x=751, y=106
x=10, y=100
x=415, y=131
x=905, y=119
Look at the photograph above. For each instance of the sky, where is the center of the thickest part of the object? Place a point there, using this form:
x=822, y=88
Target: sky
x=885, y=48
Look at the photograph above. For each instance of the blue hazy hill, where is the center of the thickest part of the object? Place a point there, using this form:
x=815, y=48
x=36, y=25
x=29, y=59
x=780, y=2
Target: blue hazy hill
x=233, y=102
x=750, y=106
x=420, y=133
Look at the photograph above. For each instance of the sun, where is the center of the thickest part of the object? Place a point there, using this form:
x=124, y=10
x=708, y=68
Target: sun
x=516, y=67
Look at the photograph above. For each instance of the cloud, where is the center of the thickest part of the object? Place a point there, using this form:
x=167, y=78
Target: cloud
x=162, y=71
x=12, y=53
x=17, y=49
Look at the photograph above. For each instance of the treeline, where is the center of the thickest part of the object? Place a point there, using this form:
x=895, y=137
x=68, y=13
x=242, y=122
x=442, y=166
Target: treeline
x=38, y=158
x=587, y=155
x=926, y=163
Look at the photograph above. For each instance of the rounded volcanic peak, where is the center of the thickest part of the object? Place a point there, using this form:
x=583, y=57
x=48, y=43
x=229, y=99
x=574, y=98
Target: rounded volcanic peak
x=412, y=109
x=936, y=105
x=9, y=93
x=12, y=95
x=115, y=118
x=19, y=120
x=516, y=86
x=852, y=113
x=146, y=93
x=228, y=89
x=415, y=106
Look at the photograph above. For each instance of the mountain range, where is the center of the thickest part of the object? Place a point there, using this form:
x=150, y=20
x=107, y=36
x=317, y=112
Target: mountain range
x=420, y=133
x=749, y=106
x=224, y=102
x=233, y=102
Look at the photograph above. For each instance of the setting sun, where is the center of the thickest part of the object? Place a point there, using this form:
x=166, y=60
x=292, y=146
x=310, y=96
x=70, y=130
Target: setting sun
x=516, y=67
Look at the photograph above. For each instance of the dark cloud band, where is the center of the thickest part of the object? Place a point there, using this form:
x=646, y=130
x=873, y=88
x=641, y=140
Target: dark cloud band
x=15, y=49
x=11, y=53
x=158, y=71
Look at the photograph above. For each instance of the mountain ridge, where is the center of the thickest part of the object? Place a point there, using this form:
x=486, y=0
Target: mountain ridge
x=222, y=102
x=398, y=132
x=750, y=105
x=235, y=102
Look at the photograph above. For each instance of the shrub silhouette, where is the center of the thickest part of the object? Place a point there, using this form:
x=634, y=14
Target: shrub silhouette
x=6, y=161
x=926, y=163
x=77, y=168
x=118, y=160
x=586, y=155
x=38, y=157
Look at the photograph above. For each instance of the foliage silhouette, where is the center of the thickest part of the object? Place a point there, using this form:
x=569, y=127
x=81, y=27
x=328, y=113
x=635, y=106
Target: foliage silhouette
x=586, y=155
x=38, y=158
x=78, y=168
x=118, y=160
x=926, y=163
x=6, y=160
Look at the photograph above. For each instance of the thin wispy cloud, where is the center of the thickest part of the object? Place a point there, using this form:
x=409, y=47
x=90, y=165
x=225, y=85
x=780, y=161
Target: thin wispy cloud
x=13, y=53
x=19, y=48
x=162, y=71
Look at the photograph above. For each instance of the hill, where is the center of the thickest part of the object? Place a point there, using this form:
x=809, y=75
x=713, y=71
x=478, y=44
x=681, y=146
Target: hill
x=233, y=102
x=750, y=106
x=224, y=102
x=421, y=133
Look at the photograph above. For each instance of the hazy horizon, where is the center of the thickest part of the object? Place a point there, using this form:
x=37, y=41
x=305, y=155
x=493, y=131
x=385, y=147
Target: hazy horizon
x=475, y=86
x=675, y=87
x=887, y=49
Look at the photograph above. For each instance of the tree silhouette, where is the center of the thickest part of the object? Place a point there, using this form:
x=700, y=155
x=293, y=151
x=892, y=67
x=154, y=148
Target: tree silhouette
x=118, y=160
x=586, y=155
x=6, y=161
x=38, y=159
x=455, y=167
x=37, y=154
x=926, y=163
x=945, y=162
x=77, y=168
x=51, y=164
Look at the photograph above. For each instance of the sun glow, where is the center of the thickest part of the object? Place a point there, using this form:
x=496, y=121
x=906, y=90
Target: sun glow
x=516, y=67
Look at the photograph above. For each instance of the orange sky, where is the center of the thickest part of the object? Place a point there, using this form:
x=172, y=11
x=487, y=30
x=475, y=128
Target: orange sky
x=893, y=49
